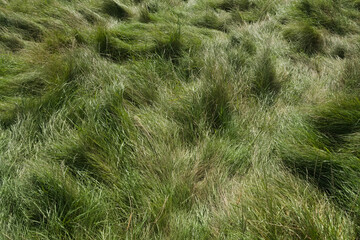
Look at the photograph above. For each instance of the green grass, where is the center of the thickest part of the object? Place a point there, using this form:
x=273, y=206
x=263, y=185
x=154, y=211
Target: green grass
x=172, y=119
x=304, y=37
x=338, y=118
x=116, y=10
x=351, y=76
x=329, y=15
x=264, y=82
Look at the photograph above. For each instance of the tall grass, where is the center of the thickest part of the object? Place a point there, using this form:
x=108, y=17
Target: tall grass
x=264, y=82
x=304, y=37
x=171, y=119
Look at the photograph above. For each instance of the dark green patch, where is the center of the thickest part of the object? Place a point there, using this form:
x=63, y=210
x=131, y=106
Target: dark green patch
x=12, y=43
x=231, y=5
x=327, y=14
x=28, y=29
x=210, y=20
x=304, y=38
x=338, y=118
x=116, y=10
x=264, y=82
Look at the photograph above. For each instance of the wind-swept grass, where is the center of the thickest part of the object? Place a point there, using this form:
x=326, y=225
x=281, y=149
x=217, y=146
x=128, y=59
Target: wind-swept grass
x=211, y=20
x=264, y=82
x=304, y=37
x=116, y=9
x=28, y=30
x=172, y=119
x=12, y=43
x=351, y=76
x=338, y=118
x=231, y=5
x=138, y=40
x=329, y=15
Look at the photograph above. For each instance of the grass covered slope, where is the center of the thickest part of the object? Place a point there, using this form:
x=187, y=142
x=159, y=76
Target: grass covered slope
x=172, y=119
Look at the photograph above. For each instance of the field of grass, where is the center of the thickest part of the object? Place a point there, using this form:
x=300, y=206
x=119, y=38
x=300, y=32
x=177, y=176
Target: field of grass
x=179, y=119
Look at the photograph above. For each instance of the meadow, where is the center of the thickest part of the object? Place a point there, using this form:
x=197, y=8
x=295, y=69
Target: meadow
x=179, y=119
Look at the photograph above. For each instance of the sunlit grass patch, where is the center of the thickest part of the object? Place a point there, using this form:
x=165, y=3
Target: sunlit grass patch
x=135, y=40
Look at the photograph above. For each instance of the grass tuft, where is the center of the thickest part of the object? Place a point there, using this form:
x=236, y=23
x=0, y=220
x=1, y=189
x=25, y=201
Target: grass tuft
x=116, y=10
x=149, y=40
x=351, y=75
x=144, y=14
x=304, y=38
x=338, y=118
x=265, y=77
x=12, y=43
x=28, y=29
x=231, y=5
x=215, y=100
x=323, y=13
x=211, y=20
x=339, y=51
x=57, y=206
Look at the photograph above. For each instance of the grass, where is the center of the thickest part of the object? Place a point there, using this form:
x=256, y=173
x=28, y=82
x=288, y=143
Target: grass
x=351, y=77
x=211, y=20
x=172, y=119
x=325, y=14
x=304, y=37
x=138, y=40
x=264, y=82
x=338, y=118
x=231, y=5
x=116, y=10
x=29, y=30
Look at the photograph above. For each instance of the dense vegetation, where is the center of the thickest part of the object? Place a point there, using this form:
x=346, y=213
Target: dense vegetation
x=175, y=119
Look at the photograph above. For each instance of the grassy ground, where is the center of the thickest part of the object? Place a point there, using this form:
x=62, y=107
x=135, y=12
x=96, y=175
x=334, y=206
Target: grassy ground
x=175, y=119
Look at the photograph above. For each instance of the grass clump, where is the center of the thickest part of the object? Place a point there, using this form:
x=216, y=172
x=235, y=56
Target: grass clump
x=240, y=49
x=245, y=42
x=351, y=76
x=308, y=152
x=304, y=38
x=10, y=65
x=216, y=101
x=339, y=51
x=299, y=222
x=138, y=40
x=232, y=5
x=28, y=29
x=351, y=144
x=329, y=15
x=264, y=82
x=338, y=118
x=57, y=205
x=90, y=16
x=211, y=20
x=11, y=43
x=208, y=108
x=116, y=10
x=144, y=15
x=335, y=175
x=357, y=5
